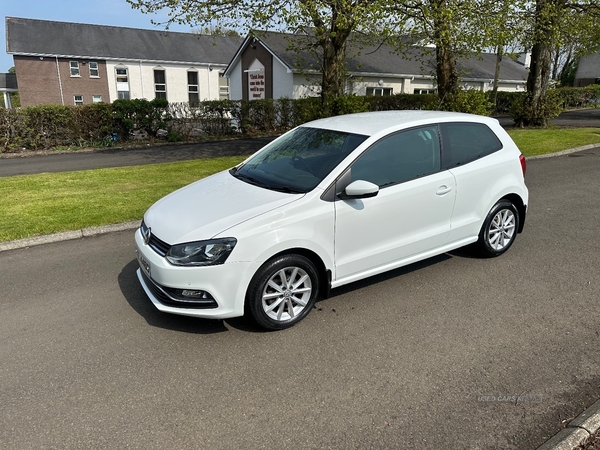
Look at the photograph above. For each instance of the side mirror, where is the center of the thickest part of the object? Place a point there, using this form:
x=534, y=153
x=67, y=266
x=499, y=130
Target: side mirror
x=359, y=189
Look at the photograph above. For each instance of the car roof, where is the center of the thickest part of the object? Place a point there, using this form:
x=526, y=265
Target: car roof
x=372, y=123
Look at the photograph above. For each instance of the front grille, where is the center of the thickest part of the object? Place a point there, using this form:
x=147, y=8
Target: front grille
x=160, y=247
x=172, y=297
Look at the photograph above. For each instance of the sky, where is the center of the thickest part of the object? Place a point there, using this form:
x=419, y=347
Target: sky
x=99, y=12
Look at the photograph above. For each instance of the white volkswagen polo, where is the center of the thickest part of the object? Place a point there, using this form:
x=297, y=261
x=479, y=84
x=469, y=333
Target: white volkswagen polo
x=328, y=203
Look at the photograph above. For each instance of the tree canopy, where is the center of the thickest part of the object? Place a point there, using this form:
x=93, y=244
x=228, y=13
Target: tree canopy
x=328, y=23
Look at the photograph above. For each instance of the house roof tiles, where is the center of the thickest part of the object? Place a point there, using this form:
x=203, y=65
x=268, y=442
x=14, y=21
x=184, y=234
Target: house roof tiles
x=66, y=39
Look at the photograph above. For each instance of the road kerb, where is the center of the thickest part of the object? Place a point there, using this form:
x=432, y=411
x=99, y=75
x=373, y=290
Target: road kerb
x=68, y=235
x=564, y=152
x=577, y=432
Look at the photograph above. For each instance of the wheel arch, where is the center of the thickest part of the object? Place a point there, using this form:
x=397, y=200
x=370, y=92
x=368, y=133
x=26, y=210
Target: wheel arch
x=323, y=272
x=516, y=200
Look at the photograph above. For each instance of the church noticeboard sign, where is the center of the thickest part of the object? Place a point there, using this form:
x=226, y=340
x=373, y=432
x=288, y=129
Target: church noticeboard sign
x=256, y=80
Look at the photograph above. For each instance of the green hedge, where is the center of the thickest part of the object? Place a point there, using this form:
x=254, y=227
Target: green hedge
x=51, y=126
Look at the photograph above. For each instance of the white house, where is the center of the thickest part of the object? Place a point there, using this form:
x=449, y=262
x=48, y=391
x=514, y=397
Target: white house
x=285, y=69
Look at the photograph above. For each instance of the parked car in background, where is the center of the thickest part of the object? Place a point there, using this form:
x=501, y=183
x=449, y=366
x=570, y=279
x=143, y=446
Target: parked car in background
x=328, y=203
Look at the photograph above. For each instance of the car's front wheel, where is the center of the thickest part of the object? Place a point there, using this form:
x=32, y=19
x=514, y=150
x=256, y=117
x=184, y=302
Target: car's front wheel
x=499, y=229
x=283, y=291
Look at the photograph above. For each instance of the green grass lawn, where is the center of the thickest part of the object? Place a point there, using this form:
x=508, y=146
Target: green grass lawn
x=47, y=203
x=538, y=142
x=33, y=205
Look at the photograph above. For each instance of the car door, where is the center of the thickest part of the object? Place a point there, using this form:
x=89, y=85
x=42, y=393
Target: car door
x=471, y=152
x=409, y=216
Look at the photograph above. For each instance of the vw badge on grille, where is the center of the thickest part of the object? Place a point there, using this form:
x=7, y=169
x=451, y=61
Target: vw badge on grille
x=146, y=235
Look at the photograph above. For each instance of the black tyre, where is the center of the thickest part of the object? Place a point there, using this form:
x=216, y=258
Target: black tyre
x=282, y=292
x=499, y=229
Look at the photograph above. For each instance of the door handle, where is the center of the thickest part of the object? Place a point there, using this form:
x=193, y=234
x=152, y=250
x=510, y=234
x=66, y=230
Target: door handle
x=443, y=190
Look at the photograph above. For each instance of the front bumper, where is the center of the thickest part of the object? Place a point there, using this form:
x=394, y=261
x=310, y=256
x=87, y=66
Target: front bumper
x=225, y=285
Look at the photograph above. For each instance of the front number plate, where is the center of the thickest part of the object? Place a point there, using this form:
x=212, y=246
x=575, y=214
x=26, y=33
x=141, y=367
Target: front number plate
x=145, y=265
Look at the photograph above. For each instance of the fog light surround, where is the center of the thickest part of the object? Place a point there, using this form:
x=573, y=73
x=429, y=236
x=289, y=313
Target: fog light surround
x=190, y=293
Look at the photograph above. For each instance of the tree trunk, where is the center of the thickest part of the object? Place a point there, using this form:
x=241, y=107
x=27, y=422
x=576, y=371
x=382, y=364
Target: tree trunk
x=499, y=53
x=541, y=61
x=445, y=68
x=334, y=56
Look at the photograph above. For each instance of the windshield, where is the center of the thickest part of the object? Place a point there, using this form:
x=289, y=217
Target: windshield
x=299, y=161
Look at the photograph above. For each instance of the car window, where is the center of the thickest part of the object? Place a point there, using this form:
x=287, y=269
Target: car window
x=466, y=142
x=298, y=161
x=400, y=157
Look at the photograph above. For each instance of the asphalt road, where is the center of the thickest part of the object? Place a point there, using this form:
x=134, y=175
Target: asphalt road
x=423, y=357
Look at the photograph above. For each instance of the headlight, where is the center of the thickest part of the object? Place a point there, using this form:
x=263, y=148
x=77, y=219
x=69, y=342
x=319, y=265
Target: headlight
x=202, y=253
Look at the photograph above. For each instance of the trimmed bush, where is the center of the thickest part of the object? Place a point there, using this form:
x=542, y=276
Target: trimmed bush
x=403, y=101
x=470, y=101
x=523, y=115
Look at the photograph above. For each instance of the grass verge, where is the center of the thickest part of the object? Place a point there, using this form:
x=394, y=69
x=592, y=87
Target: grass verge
x=533, y=142
x=34, y=205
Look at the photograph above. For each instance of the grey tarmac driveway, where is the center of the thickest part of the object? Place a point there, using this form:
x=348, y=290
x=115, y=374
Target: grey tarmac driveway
x=25, y=164
x=402, y=360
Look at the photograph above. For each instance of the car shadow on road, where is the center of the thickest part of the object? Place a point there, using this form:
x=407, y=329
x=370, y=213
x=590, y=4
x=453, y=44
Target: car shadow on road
x=137, y=299
x=388, y=275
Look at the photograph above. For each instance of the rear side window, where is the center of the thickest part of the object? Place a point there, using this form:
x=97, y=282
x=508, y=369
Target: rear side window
x=466, y=142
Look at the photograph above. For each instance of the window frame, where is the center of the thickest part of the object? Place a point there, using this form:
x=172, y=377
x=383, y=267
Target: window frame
x=383, y=89
x=193, y=89
x=74, y=66
x=97, y=69
x=122, y=95
x=347, y=175
x=160, y=88
x=94, y=97
x=224, y=91
x=77, y=102
x=447, y=163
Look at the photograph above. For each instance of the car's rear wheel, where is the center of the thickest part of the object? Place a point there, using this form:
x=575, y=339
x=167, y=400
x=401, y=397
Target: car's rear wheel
x=499, y=229
x=283, y=291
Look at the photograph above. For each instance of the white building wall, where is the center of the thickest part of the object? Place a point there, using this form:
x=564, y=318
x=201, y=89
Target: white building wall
x=141, y=80
x=235, y=83
x=306, y=87
x=283, y=81
x=420, y=83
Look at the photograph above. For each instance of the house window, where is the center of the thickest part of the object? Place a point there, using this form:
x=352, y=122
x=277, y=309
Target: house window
x=96, y=99
x=160, y=84
x=193, y=94
x=223, y=87
x=122, y=75
x=94, y=72
x=379, y=91
x=78, y=99
x=122, y=83
x=74, y=65
x=424, y=91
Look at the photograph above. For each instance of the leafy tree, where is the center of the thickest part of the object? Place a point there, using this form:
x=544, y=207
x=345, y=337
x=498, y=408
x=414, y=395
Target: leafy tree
x=554, y=22
x=503, y=23
x=455, y=28
x=328, y=23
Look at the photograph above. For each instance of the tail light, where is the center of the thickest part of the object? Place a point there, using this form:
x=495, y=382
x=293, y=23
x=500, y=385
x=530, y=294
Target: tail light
x=523, y=164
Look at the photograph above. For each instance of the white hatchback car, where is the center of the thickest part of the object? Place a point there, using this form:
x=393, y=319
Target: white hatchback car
x=328, y=203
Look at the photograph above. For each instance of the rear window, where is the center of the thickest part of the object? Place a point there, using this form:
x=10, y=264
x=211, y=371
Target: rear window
x=466, y=142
